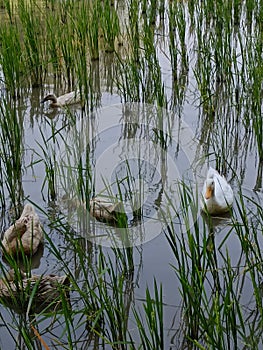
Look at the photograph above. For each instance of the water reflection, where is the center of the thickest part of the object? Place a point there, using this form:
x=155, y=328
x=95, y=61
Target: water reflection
x=135, y=152
x=258, y=184
x=204, y=63
x=24, y=263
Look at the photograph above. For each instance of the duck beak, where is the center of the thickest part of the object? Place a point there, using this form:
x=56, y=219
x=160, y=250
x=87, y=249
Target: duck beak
x=208, y=192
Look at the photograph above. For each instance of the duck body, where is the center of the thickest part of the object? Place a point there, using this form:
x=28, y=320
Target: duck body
x=103, y=209
x=25, y=235
x=70, y=98
x=18, y=287
x=217, y=194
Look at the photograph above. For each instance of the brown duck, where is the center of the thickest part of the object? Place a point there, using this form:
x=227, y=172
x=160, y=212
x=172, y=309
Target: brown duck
x=70, y=98
x=103, y=209
x=25, y=235
x=18, y=287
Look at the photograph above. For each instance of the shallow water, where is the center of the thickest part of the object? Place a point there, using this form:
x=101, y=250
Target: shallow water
x=159, y=177
x=149, y=151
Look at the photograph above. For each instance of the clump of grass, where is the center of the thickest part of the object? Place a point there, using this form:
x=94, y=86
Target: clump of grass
x=9, y=6
x=106, y=290
x=149, y=11
x=248, y=224
x=93, y=26
x=110, y=26
x=213, y=314
x=150, y=325
x=33, y=46
x=67, y=46
x=133, y=31
x=177, y=25
x=87, y=32
x=49, y=147
x=139, y=77
x=151, y=76
x=190, y=250
x=224, y=56
x=256, y=75
x=52, y=44
x=13, y=69
x=12, y=150
x=25, y=310
x=128, y=80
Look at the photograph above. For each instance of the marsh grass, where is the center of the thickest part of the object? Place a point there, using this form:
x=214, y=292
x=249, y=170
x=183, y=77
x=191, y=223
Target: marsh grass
x=177, y=19
x=106, y=291
x=12, y=150
x=35, y=55
x=150, y=326
x=52, y=40
x=13, y=70
x=67, y=46
x=213, y=313
x=215, y=46
x=49, y=148
x=110, y=26
x=93, y=29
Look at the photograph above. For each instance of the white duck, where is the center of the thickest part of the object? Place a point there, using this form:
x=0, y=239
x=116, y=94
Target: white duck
x=217, y=195
x=70, y=98
x=25, y=235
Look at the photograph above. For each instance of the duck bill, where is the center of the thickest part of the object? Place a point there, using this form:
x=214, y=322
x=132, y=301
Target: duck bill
x=208, y=193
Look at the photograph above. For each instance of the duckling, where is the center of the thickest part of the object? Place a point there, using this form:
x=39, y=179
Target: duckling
x=70, y=98
x=217, y=194
x=25, y=234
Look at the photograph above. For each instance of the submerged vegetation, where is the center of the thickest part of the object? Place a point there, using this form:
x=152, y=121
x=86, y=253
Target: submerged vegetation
x=169, y=64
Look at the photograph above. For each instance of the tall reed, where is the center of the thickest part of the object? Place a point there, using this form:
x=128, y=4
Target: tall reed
x=12, y=151
x=219, y=46
x=150, y=325
x=34, y=48
x=14, y=70
x=110, y=26
x=93, y=28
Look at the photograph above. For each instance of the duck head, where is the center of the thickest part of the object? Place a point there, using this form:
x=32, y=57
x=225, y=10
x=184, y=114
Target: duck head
x=52, y=98
x=28, y=209
x=210, y=187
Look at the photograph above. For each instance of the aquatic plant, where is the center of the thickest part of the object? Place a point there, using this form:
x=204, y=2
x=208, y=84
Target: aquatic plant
x=12, y=151
x=13, y=70
x=109, y=25
x=202, y=61
x=150, y=325
x=34, y=48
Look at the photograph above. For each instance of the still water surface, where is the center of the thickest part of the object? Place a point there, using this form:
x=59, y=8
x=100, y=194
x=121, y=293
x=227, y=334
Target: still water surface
x=124, y=141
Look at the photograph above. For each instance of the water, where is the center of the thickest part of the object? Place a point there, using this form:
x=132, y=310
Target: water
x=112, y=146
x=149, y=151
